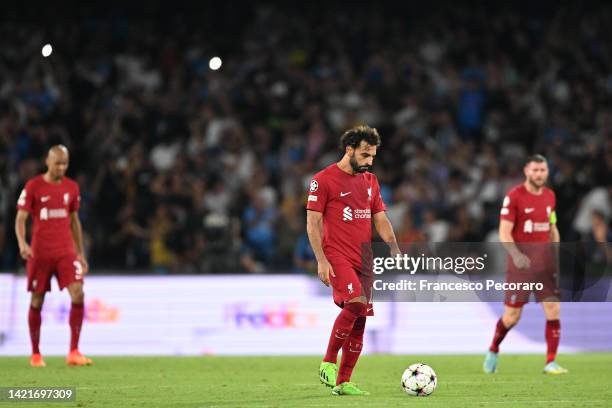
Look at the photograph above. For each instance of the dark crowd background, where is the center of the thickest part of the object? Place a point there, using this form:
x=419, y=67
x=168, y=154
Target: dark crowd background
x=188, y=170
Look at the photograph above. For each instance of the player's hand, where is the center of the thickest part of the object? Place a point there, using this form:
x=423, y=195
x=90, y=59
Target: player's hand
x=394, y=251
x=84, y=263
x=521, y=261
x=25, y=251
x=325, y=269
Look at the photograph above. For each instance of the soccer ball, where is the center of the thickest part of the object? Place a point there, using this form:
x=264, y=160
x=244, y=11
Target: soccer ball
x=419, y=380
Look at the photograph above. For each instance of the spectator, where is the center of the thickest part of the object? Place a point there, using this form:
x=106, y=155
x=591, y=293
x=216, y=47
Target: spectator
x=183, y=167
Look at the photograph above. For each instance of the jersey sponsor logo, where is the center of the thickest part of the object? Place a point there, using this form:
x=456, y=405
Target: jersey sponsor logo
x=367, y=213
x=314, y=186
x=47, y=214
x=531, y=227
x=312, y=197
x=541, y=226
x=22, y=198
x=347, y=214
x=44, y=199
x=529, y=210
x=344, y=194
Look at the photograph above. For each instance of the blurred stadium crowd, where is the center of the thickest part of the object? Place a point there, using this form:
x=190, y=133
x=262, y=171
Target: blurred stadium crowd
x=185, y=169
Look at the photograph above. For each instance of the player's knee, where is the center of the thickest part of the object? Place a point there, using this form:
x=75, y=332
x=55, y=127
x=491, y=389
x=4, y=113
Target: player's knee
x=76, y=293
x=78, y=298
x=510, y=322
x=37, y=300
x=552, y=310
x=511, y=319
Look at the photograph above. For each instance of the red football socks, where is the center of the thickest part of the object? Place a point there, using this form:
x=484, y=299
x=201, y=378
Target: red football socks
x=500, y=333
x=351, y=351
x=553, y=333
x=342, y=329
x=76, y=321
x=34, y=322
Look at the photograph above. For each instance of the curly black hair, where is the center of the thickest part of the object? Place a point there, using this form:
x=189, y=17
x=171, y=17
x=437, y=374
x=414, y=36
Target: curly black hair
x=354, y=136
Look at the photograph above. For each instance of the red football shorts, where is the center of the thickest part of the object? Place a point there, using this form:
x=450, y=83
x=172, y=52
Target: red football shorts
x=350, y=283
x=520, y=297
x=67, y=269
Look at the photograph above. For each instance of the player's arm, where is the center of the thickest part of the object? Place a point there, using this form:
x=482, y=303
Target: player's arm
x=77, y=236
x=555, y=236
x=20, y=231
x=314, y=228
x=519, y=259
x=385, y=231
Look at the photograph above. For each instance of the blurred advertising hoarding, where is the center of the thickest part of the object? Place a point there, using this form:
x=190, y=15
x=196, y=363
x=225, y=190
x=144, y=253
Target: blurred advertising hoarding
x=270, y=315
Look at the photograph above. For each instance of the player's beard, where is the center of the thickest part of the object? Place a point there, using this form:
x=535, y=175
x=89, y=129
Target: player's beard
x=356, y=167
x=537, y=184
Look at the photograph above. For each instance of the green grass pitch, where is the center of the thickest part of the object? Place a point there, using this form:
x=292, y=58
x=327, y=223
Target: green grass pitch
x=293, y=382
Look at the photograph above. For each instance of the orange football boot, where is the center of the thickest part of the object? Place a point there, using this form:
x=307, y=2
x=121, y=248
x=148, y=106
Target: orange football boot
x=75, y=358
x=37, y=360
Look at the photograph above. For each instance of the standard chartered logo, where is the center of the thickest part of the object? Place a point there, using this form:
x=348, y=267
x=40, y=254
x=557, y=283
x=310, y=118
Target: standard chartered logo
x=347, y=214
x=47, y=214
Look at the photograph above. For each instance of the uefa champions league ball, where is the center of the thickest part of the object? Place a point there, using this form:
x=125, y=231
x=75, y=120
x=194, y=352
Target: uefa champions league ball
x=419, y=380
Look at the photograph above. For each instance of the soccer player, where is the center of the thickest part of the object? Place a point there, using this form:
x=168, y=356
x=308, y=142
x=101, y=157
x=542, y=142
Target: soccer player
x=343, y=199
x=52, y=199
x=527, y=226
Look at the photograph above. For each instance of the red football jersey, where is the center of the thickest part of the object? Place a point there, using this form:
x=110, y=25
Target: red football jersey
x=531, y=214
x=49, y=206
x=347, y=203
